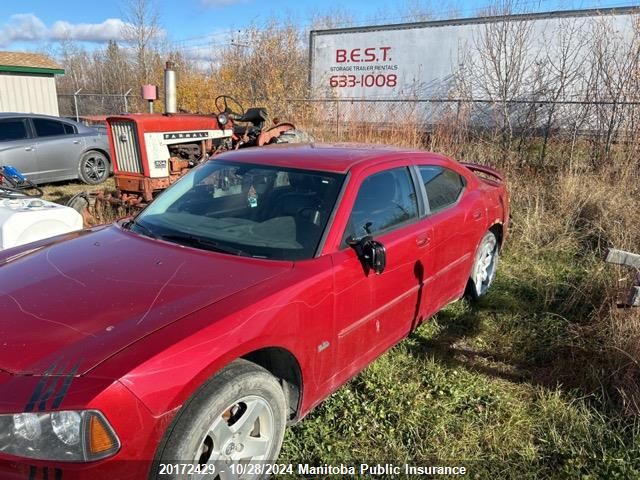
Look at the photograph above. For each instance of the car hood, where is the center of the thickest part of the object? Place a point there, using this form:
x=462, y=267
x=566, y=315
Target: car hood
x=69, y=305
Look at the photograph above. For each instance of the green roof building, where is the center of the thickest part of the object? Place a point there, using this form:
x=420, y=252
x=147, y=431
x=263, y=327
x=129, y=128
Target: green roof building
x=27, y=83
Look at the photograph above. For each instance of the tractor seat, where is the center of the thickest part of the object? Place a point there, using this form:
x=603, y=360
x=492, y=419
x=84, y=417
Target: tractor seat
x=255, y=115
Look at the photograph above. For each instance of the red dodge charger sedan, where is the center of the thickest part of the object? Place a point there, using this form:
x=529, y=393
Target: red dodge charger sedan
x=179, y=344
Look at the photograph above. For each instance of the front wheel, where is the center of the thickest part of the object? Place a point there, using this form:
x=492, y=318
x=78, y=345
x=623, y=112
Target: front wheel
x=236, y=420
x=484, y=267
x=94, y=167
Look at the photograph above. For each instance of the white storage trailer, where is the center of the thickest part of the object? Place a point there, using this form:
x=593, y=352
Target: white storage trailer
x=421, y=60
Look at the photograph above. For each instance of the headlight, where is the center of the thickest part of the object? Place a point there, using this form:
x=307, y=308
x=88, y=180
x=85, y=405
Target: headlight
x=66, y=426
x=73, y=436
x=223, y=119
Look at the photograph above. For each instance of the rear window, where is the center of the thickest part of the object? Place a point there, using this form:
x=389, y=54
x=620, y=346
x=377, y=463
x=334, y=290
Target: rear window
x=443, y=186
x=48, y=128
x=14, y=129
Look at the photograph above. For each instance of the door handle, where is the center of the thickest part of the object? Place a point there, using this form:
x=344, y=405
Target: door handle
x=76, y=142
x=29, y=149
x=423, y=240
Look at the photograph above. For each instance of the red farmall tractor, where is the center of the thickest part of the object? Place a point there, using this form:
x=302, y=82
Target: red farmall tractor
x=151, y=151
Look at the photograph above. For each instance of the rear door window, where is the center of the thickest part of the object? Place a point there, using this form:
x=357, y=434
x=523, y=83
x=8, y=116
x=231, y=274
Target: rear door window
x=48, y=128
x=69, y=129
x=13, y=129
x=385, y=200
x=443, y=186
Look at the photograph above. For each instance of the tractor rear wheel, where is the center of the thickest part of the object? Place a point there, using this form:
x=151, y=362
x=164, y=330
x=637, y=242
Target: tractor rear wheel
x=295, y=136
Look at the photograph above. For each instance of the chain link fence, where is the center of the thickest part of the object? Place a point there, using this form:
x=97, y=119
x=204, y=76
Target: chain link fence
x=410, y=121
x=91, y=104
x=536, y=115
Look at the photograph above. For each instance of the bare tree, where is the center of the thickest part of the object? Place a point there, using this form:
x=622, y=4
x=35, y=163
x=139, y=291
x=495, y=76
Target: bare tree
x=615, y=61
x=76, y=62
x=117, y=69
x=413, y=11
x=502, y=66
x=564, y=62
x=142, y=31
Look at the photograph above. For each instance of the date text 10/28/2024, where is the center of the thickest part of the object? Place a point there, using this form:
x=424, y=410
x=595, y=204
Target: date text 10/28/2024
x=269, y=469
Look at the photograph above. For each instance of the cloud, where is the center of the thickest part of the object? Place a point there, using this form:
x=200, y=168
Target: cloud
x=22, y=27
x=27, y=27
x=110, y=29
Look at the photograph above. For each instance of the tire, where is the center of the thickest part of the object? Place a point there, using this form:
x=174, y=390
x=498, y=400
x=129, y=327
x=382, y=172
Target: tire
x=212, y=426
x=94, y=167
x=484, y=266
x=295, y=136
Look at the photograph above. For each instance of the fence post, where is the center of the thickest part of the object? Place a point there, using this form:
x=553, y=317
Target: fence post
x=620, y=257
x=75, y=103
x=126, y=103
x=338, y=119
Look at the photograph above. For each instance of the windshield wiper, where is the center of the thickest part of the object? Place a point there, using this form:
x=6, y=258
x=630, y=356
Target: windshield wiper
x=140, y=228
x=202, y=242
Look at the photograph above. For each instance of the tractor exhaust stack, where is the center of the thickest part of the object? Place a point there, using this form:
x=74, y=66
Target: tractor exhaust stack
x=170, y=89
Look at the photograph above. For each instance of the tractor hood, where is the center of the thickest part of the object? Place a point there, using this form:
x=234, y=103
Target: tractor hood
x=75, y=301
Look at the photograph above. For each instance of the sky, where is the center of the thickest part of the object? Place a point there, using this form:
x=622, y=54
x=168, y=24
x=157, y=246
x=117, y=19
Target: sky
x=192, y=26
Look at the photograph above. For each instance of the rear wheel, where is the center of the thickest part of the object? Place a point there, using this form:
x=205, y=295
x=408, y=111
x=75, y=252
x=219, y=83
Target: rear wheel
x=237, y=418
x=484, y=267
x=94, y=167
x=295, y=136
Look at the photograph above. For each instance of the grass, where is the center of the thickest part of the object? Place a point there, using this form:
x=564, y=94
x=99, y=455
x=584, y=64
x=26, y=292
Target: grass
x=61, y=192
x=491, y=386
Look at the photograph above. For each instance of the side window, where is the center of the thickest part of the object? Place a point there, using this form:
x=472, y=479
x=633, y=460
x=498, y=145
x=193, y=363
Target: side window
x=12, y=129
x=385, y=200
x=48, y=128
x=69, y=129
x=443, y=186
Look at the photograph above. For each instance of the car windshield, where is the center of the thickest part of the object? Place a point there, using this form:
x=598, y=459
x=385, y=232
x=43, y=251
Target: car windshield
x=243, y=209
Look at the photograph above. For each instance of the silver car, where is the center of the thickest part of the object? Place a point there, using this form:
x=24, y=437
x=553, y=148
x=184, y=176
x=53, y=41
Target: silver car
x=50, y=149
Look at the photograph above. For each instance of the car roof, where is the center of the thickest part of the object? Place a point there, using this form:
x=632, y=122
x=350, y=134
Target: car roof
x=81, y=127
x=34, y=115
x=328, y=157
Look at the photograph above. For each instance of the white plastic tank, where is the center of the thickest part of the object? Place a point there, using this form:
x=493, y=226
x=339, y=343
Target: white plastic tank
x=24, y=220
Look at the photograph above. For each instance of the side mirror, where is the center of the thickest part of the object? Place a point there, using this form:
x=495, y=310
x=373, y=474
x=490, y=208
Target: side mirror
x=371, y=253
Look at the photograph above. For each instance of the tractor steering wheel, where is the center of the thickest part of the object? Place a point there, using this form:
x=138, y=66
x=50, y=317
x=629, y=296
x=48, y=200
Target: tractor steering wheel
x=224, y=101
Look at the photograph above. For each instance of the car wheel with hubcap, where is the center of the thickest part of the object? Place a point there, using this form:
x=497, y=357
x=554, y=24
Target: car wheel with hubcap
x=235, y=419
x=484, y=267
x=94, y=167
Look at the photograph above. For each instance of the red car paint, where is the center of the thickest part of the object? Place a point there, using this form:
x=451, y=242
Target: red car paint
x=138, y=324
